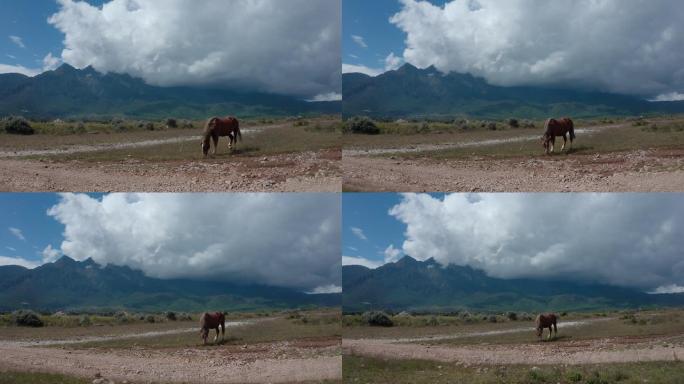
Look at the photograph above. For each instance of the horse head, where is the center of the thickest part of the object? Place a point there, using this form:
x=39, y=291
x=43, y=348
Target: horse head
x=204, y=333
x=205, y=146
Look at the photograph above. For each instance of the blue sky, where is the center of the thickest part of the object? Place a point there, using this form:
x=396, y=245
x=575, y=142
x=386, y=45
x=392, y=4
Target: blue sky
x=367, y=23
x=25, y=227
x=26, y=37
x=367, y=215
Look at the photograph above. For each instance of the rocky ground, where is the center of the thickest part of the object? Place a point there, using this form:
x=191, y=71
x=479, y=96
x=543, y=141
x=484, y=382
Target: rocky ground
x=313, y=171
x=275, y=362
x=650, y=170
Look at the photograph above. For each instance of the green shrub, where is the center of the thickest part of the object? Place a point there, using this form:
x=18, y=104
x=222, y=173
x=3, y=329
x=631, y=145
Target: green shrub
x=121, y=317
x=492, y=319
x=150, y=319
x=574, y=377
x=171, y=316
x=377, y=318
x=361, y=125
x=512, y=316
x=84, y=321
x=171, y=123
x=18, y=125
x=26, y=318
x=513, y=123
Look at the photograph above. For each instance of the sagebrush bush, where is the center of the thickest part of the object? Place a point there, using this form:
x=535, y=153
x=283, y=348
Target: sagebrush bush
x=171, y=316
x=377, y=318
x=171, y=123
x=26, y=318
x=18, y=125
x=360, y=125
x=84, y=321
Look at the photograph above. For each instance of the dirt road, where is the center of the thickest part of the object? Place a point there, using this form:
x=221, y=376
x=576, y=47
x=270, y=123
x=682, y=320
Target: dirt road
x=638, y=171
x=592, y=351
x=285, y=361
x=298, y=172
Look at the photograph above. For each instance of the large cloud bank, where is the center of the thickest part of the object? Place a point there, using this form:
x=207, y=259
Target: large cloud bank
x=623, y=46
x=630, y=240
x=288, y=47
x=290, y=240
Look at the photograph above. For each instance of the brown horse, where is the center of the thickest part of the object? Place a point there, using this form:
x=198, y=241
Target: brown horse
x=212, y=321
x=216, y=127
x=553, y=128
x=546, y=320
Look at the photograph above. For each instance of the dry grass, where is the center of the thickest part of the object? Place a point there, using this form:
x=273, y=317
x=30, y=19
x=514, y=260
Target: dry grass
x=357, y=369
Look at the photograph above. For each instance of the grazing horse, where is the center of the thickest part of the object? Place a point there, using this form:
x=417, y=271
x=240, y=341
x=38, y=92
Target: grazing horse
x=216, y=127
x=212, y=321
x=546, y=320
x=553, y=128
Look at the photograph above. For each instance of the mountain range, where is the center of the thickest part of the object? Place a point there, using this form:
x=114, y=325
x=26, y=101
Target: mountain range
x=67, y=92
x=67, y=284
x=410, y=92
x=413, y=285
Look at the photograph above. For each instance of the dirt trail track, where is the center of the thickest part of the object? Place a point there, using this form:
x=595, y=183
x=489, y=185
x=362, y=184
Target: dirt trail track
x=649, y=170
x=284, y=361
x=592, y=351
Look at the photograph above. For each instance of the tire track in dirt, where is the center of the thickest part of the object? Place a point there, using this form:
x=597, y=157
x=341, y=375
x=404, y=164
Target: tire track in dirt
x=592, y=351
x=468, y=144
x=88, y=339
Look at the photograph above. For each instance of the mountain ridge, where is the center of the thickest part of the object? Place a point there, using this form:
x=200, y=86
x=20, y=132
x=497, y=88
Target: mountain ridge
x=410, y=92
x=68, y=92
x=86, y=285
x=409, y=284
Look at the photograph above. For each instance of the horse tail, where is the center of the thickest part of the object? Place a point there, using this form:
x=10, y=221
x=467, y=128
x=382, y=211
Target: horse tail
x=572, y=130
x=237, y=129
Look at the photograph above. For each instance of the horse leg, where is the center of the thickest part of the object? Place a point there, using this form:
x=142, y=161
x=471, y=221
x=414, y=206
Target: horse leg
x=552, y=143
x=217, y=334
x=230, y=141
x=223, y=331
x=215, y=138
x=565, y=140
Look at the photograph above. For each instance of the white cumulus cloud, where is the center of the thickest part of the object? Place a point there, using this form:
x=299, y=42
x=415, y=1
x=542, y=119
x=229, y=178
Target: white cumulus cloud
x=280, y=239
x=621, y=239
x=30, y=264
x=288, y=47
x=354, y=260
x=623, y=46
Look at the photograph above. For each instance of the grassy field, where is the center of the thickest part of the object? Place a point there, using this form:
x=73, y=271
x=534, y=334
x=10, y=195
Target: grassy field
x=465, y=322
x=74, y=326
x=274, y=137
x=306, y=326
x=640, y=134
x=14, y=377
x=357, y=369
